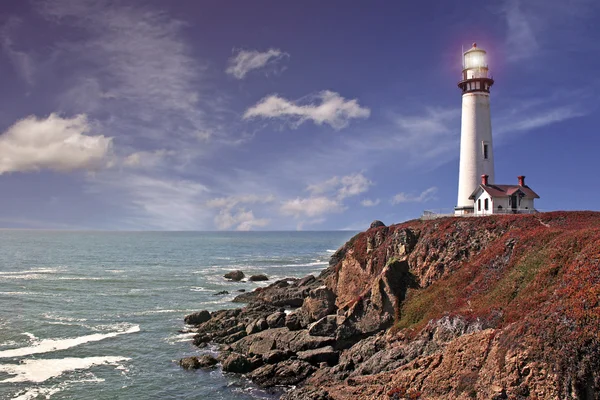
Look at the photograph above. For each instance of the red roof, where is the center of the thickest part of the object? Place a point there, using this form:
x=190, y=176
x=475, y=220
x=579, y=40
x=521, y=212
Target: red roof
x=505, y=191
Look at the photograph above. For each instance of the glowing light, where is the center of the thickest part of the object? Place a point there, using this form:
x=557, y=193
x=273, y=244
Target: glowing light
x=475, y=59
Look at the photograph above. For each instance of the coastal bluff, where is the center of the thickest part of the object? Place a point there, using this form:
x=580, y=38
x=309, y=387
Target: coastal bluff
x=497, y=307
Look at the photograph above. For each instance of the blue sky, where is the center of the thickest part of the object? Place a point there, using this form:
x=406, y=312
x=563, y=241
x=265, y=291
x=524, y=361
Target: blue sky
x=205, y=115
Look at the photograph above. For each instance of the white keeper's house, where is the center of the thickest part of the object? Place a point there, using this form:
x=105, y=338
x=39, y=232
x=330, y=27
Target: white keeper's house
x=483, y=197
x=503, y=199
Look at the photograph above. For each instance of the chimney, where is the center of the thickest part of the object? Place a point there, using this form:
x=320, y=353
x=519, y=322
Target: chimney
x=521, y=180
x=484, y=180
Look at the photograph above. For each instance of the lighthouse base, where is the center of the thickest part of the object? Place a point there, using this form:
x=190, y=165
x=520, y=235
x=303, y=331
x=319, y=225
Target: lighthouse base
x=464, y=210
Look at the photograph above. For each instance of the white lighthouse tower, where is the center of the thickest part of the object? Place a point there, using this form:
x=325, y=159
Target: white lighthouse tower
x=476, y=150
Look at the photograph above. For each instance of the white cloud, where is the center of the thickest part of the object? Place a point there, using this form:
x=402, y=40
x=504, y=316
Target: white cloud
x=346, y=186
x=247, y=60
x=56, y=143
x=311, y=207
x=231, y=214
x=329, y=108
x=426, y=195
x=525, y=121
x=147, y=159
x=520, y=39
x=369, y=202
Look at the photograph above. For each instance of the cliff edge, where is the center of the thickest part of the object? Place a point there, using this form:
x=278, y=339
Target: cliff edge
x=498, y=307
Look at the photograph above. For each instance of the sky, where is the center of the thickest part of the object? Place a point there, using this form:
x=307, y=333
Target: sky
x=271, y=115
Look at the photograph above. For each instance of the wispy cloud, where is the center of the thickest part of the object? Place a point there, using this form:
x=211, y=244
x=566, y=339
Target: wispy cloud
x=426, y=195
x=326, y=107
x=244, y=61
x=21, y=60
x=520, y=38
x=342, y=187
x=369, y=202
x=234, y=214
x=311, y=207
x=56, y=143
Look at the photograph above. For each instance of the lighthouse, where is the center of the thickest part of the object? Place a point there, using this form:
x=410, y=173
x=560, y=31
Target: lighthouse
x=476, y=150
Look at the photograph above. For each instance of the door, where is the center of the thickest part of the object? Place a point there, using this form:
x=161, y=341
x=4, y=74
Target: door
x=513, y=203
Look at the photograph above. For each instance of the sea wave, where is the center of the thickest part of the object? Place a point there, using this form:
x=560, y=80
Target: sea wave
x=42, y=370
x=50, y=345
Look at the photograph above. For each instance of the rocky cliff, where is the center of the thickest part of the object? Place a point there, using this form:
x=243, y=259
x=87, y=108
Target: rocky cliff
x=500, y=307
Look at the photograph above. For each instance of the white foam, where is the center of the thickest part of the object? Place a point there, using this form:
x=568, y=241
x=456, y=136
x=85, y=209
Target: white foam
x=35, y=393
x=42, y=370
x=331, y=251
x=31, y=271
x=49, y=345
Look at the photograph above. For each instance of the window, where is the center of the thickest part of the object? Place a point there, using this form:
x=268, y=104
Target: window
x=479, y=205
x=485, y=151
x=485, y=204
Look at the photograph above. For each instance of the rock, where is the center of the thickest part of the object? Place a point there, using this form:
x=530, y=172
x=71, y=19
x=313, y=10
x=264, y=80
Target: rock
x=261, y=347
x=276, y=356
x=258, y=278
x=293, y=321
x=376, y=224
x=306, y=280
x=201, y=339
x=241, y=290
x=326, y=326
x=204, y=361
x=234, y=275
x=284, y=340
x=324, y=354
x=257, y=326
x=286, y=373
x=307, y=393
x=197, y=317
x=220, y=293
x=237, y=363
x=276, y=320
x=319, y=303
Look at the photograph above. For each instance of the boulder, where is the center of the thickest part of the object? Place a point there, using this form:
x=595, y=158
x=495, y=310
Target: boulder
x=326, y=326
x=307, y=280
x=293, y=321
x=197, y=317
x=220, y=293
x=286, y=373
x=276, y=356
x=319, y=303
x=237, y=363
x=234, y=275
x=258, y=278
x=276, y=320
x=204, y=361
x=261, y=347
x=257, y=326
x=324, y=354
x=376, y=224
x=284, y=340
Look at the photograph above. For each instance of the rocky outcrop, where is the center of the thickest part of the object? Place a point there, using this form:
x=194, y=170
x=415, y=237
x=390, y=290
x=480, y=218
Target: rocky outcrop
x=204, y=361
x=456, y=308
x=258, y=278
x=197, y=317
x=234, y=275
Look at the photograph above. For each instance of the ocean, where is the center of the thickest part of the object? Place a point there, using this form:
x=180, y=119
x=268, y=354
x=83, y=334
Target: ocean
x=96, y=315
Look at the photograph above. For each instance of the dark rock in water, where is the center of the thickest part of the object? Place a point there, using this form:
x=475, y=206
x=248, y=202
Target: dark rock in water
x=259, y=277
x=376, y=224
x=201, y=339
x=317, y=356
x=293, y=321
x=197, y=317
x=276, y=320
x=220, y=293
x=319, y=303
x=241, y=290
x=204, y=361
x=290, y=372
x=234, y=275
x=238, y=363
x=326, y=326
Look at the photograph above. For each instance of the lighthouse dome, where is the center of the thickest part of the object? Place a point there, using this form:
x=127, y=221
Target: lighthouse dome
x=475, y=57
